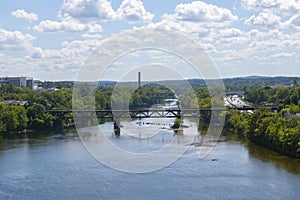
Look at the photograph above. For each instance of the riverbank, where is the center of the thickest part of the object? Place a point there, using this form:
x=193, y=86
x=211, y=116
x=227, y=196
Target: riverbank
x=36, y=133
x=276, y=149
x=261, y=143
x=266, y=128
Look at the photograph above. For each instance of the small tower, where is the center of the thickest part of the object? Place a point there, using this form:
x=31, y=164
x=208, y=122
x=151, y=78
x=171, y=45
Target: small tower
x=139, y=80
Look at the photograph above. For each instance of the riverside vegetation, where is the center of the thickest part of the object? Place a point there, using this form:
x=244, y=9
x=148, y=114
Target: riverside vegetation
x=278, y=130
x=275, y=123
x=15, y=118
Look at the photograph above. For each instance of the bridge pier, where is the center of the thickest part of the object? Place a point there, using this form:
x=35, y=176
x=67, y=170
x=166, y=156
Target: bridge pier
x=117, y=129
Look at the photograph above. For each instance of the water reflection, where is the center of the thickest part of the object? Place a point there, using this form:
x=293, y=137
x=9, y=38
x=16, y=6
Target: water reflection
x=280, y=161
x=34, y=139
x=261, y=153
x=44, y=139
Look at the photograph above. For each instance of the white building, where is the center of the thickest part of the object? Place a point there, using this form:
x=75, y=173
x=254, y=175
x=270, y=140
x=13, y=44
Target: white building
x=21, y=81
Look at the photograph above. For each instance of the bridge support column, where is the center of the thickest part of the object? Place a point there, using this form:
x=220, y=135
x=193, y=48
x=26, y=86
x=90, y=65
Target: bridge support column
x=117, y=128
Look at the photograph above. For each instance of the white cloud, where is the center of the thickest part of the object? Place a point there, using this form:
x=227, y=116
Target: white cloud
x=231, y=32
x=203, y=12
x=184, y=27
x=287, y=7
x=271, y=33
x=134, y=10
x=208, y=47
x=232, y=55
x=76, y=50
x=91, y=36
x=66, y=26
x=87, y=10
x=21, y=13
x=229, y=37
x=293, y=22
x=62, y=63
x=12, y=66
x=205, y=23
x=256, y=47
x=38, y=53
x=266, y=45
x=196, y=19
x=15, y=40
x=260, y=4
x=256, y=35
x=296, y=20
x=284, y=55
x=265, y=20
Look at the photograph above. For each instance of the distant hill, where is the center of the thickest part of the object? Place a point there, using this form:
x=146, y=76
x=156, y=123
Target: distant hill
x=240, y=83
x=233, y=84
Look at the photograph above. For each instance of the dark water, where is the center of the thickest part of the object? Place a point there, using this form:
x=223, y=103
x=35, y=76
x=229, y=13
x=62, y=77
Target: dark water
x=59, y=167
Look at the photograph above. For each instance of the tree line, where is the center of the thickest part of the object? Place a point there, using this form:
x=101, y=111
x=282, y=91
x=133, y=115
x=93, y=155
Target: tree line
x=14, y=118
x=277, y=129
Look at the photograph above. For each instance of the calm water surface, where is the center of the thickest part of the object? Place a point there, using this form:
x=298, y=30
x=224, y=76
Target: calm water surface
x=57, y=166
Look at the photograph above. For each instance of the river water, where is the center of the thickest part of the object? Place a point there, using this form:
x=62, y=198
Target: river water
x=57, y=166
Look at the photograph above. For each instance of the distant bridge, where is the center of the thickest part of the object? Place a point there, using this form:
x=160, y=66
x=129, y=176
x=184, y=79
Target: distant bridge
x=116, y=115
x=141, y=113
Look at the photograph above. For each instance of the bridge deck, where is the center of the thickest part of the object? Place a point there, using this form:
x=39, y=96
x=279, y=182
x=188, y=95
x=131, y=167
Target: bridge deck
x=138, y=113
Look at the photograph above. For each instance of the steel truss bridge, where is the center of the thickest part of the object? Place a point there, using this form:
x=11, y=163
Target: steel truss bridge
x=139, y=113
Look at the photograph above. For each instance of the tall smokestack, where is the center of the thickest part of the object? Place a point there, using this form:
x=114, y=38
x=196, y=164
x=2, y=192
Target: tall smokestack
x=139, y=80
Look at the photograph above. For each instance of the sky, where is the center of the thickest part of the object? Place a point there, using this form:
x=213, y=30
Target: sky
x=52, y=39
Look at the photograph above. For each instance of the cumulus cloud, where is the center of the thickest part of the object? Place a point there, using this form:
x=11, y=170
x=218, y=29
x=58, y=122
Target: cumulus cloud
x=255, y=34
x=21, y=13
x=230, y=36
x=66, y=26
x=134, y=10
x=168, y=23
x=91, y=36
x=87, y=10
x=197, y=18
x=39, y=53
x=293, y=22
x=203, y=22
x=201, y=11
x=76, y=50
x=260, y=4
x=231, y=32
x=15, y=40
x=264, y=20
x=287, y=7
x=101, y=10
x=296, y=20
x=266, y=45
x=284, y=55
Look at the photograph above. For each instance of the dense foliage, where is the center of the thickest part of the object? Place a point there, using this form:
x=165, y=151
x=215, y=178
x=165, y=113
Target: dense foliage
x=35, y=116
x=18, y=118
x=280, y=129
x=281, y=96
x=275, y=123
x=150, y=94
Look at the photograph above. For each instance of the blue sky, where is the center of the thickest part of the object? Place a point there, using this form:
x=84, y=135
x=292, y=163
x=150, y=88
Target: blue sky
x=51, y=39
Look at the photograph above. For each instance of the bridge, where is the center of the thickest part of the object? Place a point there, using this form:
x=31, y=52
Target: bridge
x=140, y=113
x=117, y=115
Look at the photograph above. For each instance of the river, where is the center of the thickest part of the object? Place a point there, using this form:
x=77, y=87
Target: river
x=57, y=166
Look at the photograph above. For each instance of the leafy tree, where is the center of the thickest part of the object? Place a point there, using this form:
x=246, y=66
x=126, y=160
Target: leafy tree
x=177, y=123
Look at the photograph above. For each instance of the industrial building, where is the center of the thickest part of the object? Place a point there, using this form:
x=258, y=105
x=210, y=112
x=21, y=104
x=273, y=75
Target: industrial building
x=21, y=81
